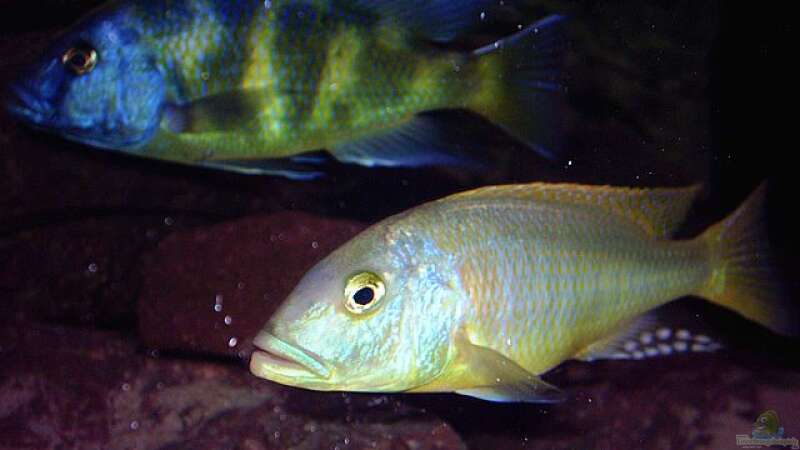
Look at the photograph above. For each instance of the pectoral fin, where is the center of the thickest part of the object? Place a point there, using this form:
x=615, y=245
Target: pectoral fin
x=492, y=376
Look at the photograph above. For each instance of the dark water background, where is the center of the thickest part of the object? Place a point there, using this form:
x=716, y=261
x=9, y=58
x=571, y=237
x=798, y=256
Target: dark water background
x=130, y=288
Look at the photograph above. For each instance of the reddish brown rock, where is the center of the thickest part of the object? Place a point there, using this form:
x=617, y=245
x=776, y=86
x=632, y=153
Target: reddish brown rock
x=211, y=289
x=63, y=388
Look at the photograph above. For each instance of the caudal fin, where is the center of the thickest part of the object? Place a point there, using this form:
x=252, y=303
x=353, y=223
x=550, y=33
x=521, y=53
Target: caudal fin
x=744, y=278
x=527, y=97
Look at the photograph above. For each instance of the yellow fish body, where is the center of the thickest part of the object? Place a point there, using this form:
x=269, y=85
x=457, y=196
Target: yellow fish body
x=481, y=292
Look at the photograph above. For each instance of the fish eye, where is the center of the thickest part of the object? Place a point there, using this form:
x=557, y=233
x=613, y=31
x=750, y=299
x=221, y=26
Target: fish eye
x=81, y=59
x=363, y=291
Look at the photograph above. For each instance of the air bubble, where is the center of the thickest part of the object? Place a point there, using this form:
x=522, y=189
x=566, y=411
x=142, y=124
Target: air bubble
x=92, y=268
x=228, y=320
x=232, y=342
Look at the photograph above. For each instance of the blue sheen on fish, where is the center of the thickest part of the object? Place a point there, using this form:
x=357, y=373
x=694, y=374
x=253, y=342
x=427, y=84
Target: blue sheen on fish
x=246, y=85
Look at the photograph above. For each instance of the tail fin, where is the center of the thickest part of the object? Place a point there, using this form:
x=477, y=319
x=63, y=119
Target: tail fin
x=527, y=97
x=743, y=278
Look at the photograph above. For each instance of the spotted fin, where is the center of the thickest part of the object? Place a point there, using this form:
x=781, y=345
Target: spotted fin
x=648, y=337
x=658, y=211
x=420, y=142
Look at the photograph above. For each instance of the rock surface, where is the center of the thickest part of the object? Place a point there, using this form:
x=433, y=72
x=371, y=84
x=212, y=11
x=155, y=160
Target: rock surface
x=211, y=289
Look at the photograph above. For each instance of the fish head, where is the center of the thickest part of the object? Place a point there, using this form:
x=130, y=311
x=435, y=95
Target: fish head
x=767, y=422
x=97, y=84
x=370, y=317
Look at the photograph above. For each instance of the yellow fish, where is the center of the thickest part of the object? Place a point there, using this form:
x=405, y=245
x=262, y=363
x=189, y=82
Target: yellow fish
x=481, y=292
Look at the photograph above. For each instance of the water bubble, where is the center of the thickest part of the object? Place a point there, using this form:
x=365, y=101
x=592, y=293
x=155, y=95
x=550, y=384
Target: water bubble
x=218, y=307
x=218, y=302
x=240, y=285
x=168, y=221
x=92, y=268
x=126, y=387
x=232, y=342
x=483, y=15
x=315, y=244
x=228, y=320
x=134, y=425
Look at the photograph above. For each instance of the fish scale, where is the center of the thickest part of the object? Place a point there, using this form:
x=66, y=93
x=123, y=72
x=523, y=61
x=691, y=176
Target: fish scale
x=247, y=85
x=554, y=278
x=481, y=292
x=299, y=74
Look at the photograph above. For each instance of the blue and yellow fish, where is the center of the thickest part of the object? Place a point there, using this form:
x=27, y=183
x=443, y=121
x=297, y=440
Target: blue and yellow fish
x=247, y=85
x=482, y=292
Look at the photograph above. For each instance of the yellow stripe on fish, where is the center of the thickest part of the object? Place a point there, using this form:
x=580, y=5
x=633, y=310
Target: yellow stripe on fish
x=247, y=85
x=481, y=292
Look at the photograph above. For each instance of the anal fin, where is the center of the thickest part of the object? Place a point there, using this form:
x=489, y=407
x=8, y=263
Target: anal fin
x=649, y=336
x=279, y=167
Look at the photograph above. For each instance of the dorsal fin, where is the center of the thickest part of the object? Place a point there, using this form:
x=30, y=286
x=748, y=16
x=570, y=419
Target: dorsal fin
x=659, y=211
x=437, y=20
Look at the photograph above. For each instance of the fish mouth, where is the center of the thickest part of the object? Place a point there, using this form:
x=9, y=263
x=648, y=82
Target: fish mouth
x=277, y=360
x=25, y=106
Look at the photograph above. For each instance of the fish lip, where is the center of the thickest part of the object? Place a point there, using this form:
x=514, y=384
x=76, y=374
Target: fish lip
x=19, y=102
x=277, y=359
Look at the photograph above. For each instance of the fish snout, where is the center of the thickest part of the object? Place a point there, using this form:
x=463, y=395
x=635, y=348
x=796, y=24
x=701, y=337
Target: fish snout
x=278, y=360
x=20, y=102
